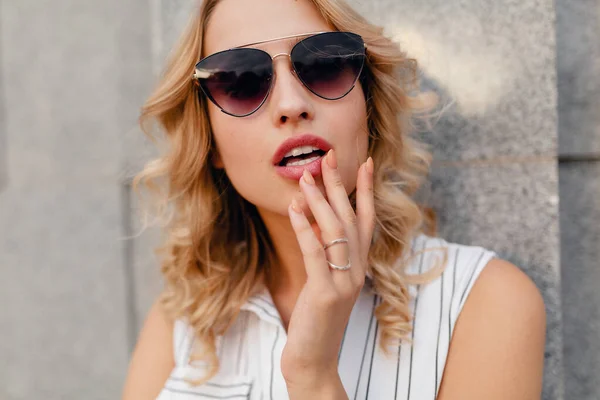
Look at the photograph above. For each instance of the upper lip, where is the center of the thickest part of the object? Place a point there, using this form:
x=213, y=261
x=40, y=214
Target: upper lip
x=297, y=141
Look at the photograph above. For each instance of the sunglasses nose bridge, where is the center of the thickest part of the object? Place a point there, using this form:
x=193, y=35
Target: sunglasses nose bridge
x=280, y=55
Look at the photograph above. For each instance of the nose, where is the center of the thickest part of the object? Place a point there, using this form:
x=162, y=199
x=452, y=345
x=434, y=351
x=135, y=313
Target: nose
x=291, y=100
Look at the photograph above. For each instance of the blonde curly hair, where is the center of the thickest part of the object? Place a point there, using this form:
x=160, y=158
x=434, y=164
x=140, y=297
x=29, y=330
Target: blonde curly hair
x=216, y=248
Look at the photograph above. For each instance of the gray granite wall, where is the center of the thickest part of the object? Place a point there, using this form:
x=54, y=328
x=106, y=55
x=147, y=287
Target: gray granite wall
x=74, y=74
x=3, y=141
x=168, y=19
x=494, y=181
x=578, y=65
x=137, y=74
x=71, y=90
x=580, y=237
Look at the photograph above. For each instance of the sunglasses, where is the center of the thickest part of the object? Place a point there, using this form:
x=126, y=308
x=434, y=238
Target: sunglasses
x=239, y=80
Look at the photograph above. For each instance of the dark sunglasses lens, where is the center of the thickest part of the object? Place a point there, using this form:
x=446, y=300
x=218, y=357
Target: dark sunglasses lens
x=238, y=80
x=329, y=63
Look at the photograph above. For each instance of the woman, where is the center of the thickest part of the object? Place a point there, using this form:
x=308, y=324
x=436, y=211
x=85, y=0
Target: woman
x=295, y=263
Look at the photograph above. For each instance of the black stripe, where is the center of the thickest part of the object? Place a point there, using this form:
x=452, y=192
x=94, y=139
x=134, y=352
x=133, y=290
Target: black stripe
x=398, y=370
x=365, y=347
x=437, y=348
x=250, y=391
x=372, y=356
x=242, y=334
x=273, y=360
x=343, y=338
x=220, y=385
x=471, y=277
x=246, y=353
x=247, y=358
x=413, y=327
x=452, y=297
x=233, y=396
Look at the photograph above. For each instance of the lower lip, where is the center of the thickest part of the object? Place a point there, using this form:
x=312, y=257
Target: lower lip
x=296, y=171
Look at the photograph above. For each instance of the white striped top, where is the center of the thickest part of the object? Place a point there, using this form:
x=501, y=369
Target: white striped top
x=250, y=352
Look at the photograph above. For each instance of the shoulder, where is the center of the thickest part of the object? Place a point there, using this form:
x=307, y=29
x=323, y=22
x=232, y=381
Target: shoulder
x=499, y=338
x=456, y=265
x=152, y=360
x=504, y=293
x=518, y=291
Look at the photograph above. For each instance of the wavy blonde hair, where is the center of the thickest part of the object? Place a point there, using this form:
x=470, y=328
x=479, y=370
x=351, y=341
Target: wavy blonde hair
x=216, y=247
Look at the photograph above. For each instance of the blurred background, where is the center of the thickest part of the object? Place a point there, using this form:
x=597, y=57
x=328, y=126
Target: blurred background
x=517, y=170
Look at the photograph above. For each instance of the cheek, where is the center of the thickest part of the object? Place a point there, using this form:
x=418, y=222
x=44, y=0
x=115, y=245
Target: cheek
x=239, y=151
x=243, y=153
x=231, y=137
x=356, y=149
x=351, y=122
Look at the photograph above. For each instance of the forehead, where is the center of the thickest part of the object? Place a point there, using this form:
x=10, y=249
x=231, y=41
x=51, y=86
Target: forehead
x=239, y=22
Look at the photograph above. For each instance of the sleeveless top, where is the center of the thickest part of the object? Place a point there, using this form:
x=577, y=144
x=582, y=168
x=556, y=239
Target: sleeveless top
x=250, y=351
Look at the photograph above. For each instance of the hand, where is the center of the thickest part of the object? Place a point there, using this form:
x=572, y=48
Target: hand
x=324, y=305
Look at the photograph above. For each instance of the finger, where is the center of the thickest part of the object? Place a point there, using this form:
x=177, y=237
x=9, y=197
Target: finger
x=329, y=224
x=336, y=192
x=365, y=206
x=339, y=202
x=312, y=250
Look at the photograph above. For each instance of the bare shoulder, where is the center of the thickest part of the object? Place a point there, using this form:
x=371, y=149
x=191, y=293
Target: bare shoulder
x=497, y=348
x=152, y=360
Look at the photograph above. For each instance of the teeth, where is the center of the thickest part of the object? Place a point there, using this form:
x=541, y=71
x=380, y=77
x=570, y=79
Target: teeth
x=302, y=162
x=301, y=150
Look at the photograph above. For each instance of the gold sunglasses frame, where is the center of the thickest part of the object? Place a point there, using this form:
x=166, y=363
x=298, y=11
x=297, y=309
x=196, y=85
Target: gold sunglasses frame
x=198, y=74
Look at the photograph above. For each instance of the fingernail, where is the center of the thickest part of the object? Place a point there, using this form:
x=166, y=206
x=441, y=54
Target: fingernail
x=331, y=160
x=370, y=166
x=308, y=178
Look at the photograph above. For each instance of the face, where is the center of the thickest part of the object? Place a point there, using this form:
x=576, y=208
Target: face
x=246, y=145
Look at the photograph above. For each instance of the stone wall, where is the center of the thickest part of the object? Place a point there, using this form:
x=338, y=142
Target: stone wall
x=520, y=88
x=72, y=82
x=578, y=66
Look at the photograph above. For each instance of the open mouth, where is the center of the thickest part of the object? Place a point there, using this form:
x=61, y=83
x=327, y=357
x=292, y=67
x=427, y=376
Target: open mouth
x=302, y=159
x=300, y=153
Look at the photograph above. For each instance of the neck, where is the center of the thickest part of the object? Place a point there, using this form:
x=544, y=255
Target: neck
x=288, y=275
